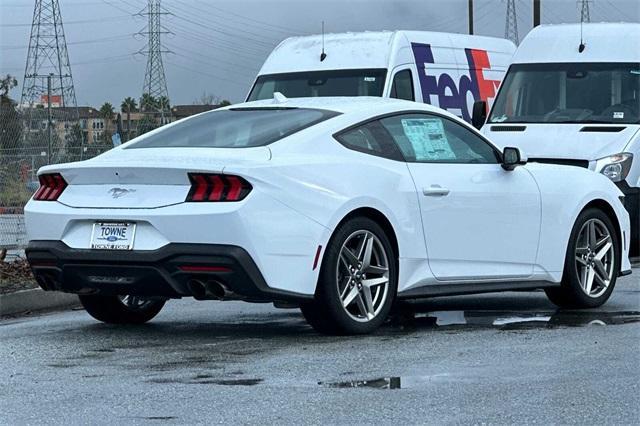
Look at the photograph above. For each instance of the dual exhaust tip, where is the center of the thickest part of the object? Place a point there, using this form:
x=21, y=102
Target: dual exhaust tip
x=207, y=290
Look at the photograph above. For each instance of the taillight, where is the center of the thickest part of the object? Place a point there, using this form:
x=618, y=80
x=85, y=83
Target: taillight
x=51, y=186
x=216, y=187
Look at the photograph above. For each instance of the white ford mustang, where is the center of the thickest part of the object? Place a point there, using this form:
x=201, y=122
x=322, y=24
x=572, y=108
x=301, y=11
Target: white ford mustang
x=339, y=206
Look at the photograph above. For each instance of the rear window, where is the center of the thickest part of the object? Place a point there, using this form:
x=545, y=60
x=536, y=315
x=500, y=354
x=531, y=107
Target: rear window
x=236, y=128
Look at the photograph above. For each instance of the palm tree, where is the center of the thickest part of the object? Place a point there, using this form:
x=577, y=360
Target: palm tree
x=128, y=104
x=163, y=103
x=148, y=103
x=106, y=111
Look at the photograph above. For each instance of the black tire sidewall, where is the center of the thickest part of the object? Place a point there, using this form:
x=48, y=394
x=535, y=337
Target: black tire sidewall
x=111, y=310
x=327, y=290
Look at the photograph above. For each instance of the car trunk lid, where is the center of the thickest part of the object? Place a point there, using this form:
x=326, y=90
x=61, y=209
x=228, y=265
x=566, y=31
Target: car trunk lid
x=145, y=178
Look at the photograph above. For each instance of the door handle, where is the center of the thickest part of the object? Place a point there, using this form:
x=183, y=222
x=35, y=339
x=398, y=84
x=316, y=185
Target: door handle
x=435, y=191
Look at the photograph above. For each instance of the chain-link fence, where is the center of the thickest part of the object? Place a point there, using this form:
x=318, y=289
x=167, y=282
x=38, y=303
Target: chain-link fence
x=42, y=133
x=34, y=136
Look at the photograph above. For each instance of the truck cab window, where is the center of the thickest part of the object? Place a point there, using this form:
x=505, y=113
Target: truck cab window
x=402, y=87
x=606, y=93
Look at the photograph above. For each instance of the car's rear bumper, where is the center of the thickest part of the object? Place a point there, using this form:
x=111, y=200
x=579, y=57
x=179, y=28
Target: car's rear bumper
x=170, y=271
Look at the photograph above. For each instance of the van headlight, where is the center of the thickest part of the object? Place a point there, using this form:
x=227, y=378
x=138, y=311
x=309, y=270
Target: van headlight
x=616, y=167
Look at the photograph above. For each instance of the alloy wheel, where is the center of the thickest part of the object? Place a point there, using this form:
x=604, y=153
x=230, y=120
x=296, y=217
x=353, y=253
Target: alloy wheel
x=134, y=303
x=362, y=276
x=594, y=258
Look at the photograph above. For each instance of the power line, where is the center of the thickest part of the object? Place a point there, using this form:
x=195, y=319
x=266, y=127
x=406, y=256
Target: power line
x=216, y=30
x=197, y=57
x=276, y=27
x=84, y=21
x=207, y=74
x=221, y=22
x=96, y=40
x=622, y=14
x=108, y=59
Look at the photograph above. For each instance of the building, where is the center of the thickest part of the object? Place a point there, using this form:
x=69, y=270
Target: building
x=179, y=112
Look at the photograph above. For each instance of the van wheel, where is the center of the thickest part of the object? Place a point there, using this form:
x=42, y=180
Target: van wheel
x=121, y=309
x=591, y=265
x=358, y=280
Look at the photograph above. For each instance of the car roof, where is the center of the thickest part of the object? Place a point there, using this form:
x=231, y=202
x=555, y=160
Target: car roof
x=344, y=105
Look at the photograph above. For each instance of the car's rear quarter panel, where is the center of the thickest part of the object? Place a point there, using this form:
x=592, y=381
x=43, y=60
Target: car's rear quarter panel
x=325, y=182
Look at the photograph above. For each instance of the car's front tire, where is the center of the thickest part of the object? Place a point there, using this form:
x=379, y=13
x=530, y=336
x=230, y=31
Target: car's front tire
x=591, y=265
x=121, y=309
x=358, y=280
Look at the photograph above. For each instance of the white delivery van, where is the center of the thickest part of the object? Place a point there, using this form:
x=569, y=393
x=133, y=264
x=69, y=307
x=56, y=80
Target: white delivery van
x=576, y=101
x=450, y=71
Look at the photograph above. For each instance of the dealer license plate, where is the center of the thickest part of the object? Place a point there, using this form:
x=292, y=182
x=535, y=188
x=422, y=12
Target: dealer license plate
x=113, y=236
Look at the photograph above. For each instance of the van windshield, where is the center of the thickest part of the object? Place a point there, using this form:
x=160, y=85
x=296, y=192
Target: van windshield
x=569, y=93
x=359, y=82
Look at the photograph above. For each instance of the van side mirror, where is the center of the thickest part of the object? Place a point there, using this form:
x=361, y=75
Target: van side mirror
x=511, y=158
x=479, y=114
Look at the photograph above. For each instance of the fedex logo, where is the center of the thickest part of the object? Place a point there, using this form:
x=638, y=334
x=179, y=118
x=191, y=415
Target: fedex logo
x=441, y=90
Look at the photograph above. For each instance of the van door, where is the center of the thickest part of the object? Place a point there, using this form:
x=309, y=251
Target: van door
x=403, y=84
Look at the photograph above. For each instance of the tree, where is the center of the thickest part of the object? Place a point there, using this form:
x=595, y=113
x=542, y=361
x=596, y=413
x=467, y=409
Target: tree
x=163, y=103
x=147, y=124
x=106, y=111
x=148, y=103
x=211, y=99
x=10, y=119
x=6, y=84
x=128, y=105
x=207, y=99
x=75, y=144
x=104, y=143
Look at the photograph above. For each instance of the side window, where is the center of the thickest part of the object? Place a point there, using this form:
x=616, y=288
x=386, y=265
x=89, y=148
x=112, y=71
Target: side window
x=370, y=138
x=425, y=138
x=402, y=87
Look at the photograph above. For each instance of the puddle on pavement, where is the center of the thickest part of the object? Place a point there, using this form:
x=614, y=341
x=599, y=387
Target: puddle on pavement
x=505, y=320
x=206, y=379
x=392, y=382
x=380, y=383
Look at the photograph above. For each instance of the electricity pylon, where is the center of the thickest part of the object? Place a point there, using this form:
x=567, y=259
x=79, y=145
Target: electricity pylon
x=48, y=82
x=155, y=96
x=511, y=23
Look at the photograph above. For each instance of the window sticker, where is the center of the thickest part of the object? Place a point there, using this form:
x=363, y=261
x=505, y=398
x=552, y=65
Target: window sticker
x=617, y=114
x=368, y=79
x=428, y=139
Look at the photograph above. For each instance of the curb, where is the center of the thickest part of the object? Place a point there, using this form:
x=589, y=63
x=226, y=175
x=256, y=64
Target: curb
x=35, y=300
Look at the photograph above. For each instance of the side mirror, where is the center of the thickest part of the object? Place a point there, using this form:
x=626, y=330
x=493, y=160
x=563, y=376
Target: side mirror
x=511, y=158
x=479, y=114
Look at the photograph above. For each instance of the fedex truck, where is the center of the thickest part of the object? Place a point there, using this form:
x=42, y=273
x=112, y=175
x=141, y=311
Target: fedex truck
x=450, y=71
x=572, y=97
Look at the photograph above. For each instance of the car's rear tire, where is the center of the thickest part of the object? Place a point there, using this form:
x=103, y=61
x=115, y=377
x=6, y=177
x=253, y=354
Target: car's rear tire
x=592, y=263
x=121, y=309
x=358, y=280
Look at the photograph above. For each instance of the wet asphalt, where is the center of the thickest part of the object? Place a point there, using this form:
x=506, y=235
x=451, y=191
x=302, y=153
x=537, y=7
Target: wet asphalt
x=491, y=359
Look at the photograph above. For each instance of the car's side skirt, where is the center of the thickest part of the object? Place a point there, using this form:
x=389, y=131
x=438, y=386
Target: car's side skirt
x=435, y=290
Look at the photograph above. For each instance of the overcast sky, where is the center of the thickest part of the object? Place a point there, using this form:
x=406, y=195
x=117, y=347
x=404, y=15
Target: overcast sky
x=218, y=46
